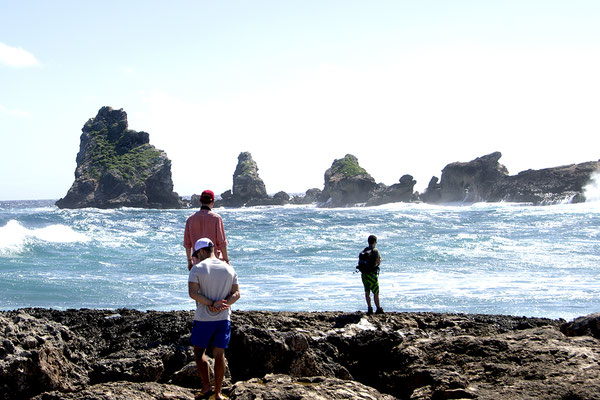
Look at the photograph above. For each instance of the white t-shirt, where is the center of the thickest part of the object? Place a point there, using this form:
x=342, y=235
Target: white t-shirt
x=215, y=278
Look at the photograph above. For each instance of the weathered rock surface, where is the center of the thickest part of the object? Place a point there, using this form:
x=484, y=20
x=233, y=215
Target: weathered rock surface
x=485, y=179
x=117, y=167
x=399, y=192
x=124, y=390
x=248, y=188
x=102, y=354
x=546, y=186
x=433, y=192
x=471, y=181
x=311, y=196
x=38, y=355
x=588, y=325
x=284, y=387
x=347, y=183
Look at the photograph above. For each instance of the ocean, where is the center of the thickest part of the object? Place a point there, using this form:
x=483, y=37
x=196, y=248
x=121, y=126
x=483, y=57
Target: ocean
x=491, y=258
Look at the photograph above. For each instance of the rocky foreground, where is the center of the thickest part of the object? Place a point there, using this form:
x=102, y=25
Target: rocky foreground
x=126, y=354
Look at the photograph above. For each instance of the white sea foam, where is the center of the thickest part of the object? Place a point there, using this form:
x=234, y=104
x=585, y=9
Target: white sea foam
x=591, y=191
x=14, y=236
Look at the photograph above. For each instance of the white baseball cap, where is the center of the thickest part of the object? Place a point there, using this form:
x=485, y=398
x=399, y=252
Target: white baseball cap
x=203, y=243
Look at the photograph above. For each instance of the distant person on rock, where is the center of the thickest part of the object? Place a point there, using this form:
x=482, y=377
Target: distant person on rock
x=205, y=223
x=368, y=265
x=214, y=285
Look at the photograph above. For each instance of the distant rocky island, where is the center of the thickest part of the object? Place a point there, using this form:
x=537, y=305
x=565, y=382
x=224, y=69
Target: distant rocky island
x=484, y=179
x=117, y=167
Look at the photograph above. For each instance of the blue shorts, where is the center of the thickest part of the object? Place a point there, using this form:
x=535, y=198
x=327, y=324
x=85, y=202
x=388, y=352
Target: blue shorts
x=211, y=333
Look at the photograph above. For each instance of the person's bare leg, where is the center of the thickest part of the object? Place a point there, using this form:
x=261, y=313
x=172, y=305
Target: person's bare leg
x=376, y=298
x=368, y=298
x=219, y=355
x=203, y=368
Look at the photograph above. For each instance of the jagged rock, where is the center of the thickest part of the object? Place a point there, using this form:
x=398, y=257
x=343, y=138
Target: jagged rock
x=471, y=181
x=405, y=355
x=588, y=325
x=485, y=179
x=117, y=167
x=247, y=185
x=433, y=192
x=281, y=198
x=399, y=192
x=39, y=355
x=347, y=183
x=546, y=186
x=189, y=376
x=248, y=188
x=124, y=390
x=311, y=196
x=283, y=387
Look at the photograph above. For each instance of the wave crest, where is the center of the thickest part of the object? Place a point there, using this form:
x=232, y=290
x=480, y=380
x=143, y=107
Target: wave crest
x=591, y=191
x=14, y=236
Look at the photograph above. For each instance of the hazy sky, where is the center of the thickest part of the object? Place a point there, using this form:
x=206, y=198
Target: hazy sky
x=406, y=86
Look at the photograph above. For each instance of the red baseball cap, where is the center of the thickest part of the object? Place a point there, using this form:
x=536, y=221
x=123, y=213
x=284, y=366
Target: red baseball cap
x=207, y=196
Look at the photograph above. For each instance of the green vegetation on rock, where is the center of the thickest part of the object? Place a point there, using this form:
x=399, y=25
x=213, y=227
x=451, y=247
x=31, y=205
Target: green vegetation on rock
x=348, y=166
x=133, y=165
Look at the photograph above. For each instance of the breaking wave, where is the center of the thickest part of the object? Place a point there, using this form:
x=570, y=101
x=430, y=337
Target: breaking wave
x=591, y=191
x=14, y=236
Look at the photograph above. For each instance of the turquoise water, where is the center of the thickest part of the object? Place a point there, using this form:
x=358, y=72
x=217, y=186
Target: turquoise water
x=482, y=258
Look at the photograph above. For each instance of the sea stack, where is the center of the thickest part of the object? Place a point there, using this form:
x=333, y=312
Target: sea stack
x=248, y=187
x=347, y=183
x=118, y=167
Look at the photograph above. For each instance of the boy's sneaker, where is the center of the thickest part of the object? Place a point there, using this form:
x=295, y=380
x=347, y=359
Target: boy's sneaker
x=379, y=311
x=370, y=311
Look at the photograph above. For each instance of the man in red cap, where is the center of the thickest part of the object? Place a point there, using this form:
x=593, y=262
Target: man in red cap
x=205, y=224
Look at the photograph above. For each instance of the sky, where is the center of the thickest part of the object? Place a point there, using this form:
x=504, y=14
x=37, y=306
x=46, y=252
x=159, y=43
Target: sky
x=405, y=86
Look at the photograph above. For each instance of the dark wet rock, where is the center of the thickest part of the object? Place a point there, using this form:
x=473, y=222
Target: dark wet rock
x=281, y=198
x=189, y=376
x=118, y=167
x=485, y=179
x=248, y=188
x=433, y=192
x=347, y=183
x=247, y=185
x=588, y=325
x=399, y=192
x=124, y=390
x=95, y=354
x=283, y=387
x=471, y=181
x=546, y=186
x=38, y=355
x=311, y=196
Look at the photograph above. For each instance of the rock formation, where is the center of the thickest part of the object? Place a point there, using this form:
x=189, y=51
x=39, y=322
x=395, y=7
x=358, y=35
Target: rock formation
x=485, y=179
x=247, y=185
x=546, y=186
x=100, y=354
x=311, y=196
x=248, y=188
x=117, y=167
x=399, y=192
x=347, y=183
x=433, y=192
x=471, y=181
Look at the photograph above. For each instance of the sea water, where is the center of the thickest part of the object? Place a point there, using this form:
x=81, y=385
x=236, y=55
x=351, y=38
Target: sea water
x=494, y=258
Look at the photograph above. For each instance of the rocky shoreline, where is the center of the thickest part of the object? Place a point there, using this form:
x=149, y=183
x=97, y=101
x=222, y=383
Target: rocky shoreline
x=114, y=354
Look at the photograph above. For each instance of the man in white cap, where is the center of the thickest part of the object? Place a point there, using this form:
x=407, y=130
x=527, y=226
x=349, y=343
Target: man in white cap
x=213, y=283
